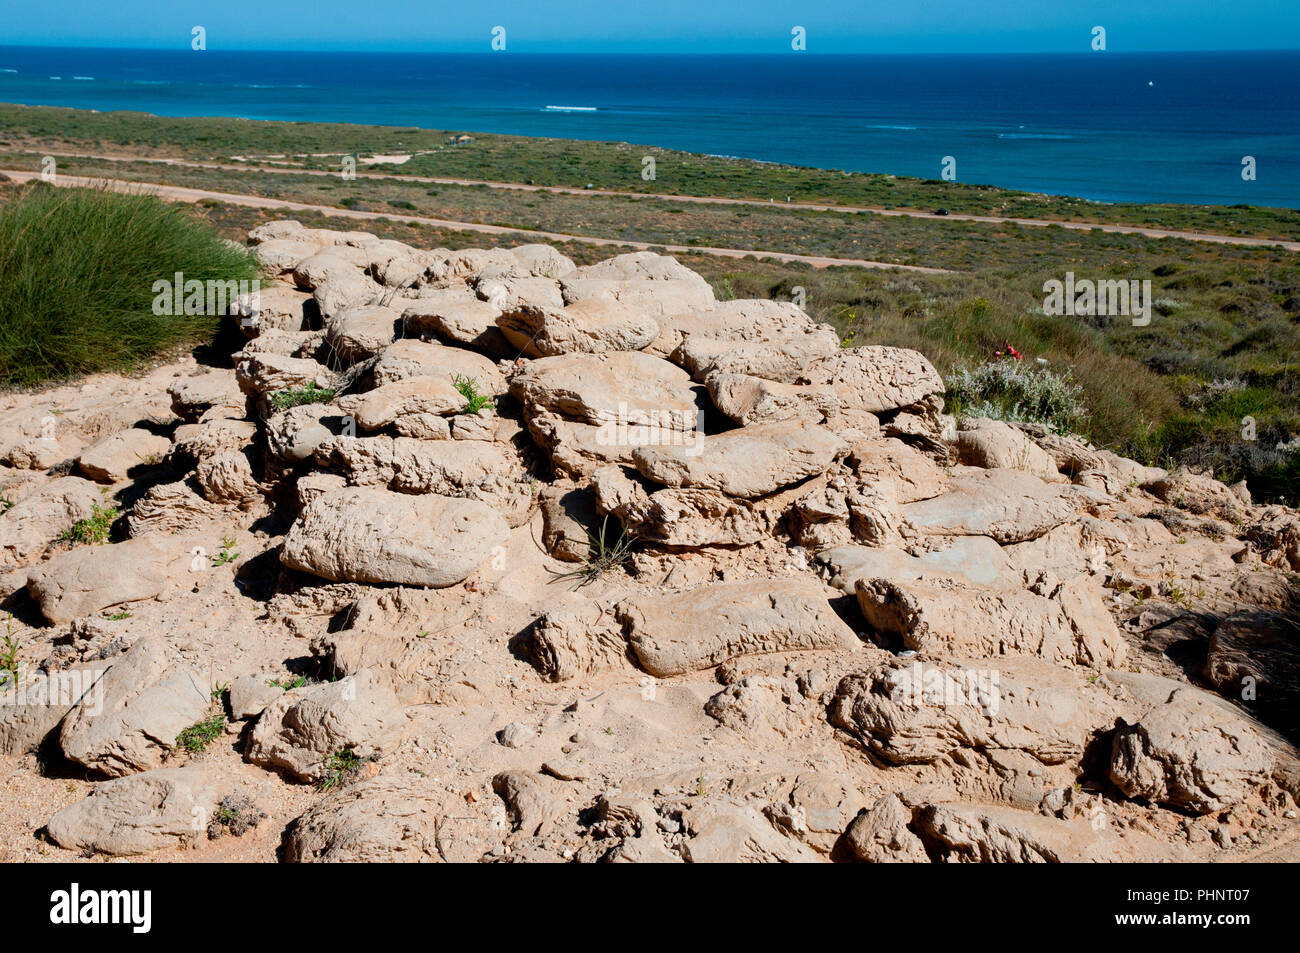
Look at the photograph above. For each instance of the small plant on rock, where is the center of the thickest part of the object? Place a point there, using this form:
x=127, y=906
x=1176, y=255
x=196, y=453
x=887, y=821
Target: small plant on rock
x=339, y=766
x=468, y=388
x=196, y=738
x=227, y=554
x=235, y=815
x=10, y=667
x=309, y=393
x=94, y=529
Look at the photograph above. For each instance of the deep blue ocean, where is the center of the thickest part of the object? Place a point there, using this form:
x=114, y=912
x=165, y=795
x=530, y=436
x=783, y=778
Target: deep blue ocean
x=1107, y=126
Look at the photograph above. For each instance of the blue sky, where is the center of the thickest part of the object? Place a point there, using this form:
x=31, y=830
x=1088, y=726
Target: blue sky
x=697, y=26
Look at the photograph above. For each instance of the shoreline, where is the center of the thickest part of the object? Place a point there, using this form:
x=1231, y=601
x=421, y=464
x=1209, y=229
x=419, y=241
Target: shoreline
x=717, y=176
x=731, y=157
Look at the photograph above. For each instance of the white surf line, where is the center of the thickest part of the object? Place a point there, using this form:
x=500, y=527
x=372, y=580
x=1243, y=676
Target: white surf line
x=1112, y=228
x=181, y=194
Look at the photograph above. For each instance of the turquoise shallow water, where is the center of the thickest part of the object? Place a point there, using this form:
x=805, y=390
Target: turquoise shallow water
x=1107, y=126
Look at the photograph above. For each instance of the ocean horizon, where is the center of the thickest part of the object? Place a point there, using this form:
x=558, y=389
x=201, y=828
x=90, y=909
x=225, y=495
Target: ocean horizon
x=1110, y=127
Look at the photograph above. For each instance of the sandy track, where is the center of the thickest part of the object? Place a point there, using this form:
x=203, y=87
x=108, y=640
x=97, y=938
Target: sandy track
x=712, y=200
x=179, y=194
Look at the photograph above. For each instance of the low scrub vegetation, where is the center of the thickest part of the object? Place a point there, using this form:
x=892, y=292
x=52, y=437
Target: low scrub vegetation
x=1010, y=389
x=1145, y=392
x=339, y=767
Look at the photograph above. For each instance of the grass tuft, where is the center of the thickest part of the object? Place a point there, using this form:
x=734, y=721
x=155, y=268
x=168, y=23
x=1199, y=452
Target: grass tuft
x=604, y=553
x=77, y=273
x=310, y=393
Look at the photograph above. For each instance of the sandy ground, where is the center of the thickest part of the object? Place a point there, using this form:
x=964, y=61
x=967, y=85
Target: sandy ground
x=30, y=800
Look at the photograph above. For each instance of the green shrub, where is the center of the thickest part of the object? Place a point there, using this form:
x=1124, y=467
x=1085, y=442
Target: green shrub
x=1017, y=392
x=94, y=529
x=77, y=273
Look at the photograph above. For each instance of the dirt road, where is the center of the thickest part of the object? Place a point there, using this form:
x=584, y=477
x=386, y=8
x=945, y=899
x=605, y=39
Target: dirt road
x=710, y=200
x=178, y=194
